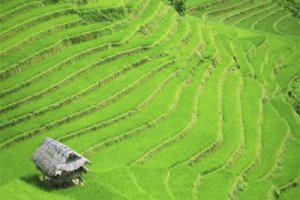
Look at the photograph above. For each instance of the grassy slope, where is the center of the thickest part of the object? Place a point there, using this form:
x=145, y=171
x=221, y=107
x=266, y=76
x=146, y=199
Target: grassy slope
x=166, y=107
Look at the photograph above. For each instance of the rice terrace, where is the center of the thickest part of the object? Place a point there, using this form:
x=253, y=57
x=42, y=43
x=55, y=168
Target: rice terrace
x=161, y=99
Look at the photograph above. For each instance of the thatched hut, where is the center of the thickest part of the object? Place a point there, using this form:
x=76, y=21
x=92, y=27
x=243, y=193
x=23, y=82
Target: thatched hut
x=60, y=164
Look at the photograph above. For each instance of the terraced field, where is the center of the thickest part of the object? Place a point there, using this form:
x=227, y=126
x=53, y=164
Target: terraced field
x=201, y=106
x=267, y=16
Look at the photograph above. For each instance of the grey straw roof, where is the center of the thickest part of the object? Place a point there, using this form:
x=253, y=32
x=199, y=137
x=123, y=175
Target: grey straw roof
x=53, y=158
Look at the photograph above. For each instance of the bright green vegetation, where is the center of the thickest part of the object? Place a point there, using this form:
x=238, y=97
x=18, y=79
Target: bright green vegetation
x=268, y=16
x=200, y=106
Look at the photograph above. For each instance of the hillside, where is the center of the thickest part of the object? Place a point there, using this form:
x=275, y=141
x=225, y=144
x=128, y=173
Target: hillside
x=204, y=105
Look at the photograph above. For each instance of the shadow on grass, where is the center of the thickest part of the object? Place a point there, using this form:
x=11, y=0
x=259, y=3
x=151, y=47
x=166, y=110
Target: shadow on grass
x=46, y=185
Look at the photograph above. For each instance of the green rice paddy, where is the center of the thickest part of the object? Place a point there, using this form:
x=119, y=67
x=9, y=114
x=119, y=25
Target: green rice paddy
x=171, y=107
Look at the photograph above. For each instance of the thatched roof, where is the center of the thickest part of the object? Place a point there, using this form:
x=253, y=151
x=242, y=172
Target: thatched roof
x=54, y=158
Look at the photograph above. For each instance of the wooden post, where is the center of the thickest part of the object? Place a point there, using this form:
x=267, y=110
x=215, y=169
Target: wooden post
x=81, y=181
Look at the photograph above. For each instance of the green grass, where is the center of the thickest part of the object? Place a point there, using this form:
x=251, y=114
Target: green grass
x=273, y=132
x=28, y=17
x=257, y=190
x=290, y=26
x=221, y=179
x=27, y=191
x=267, y=23
x=65, y=20
x=165, y=106
x=250, y=95
x=239, y=15
x=10, y=5
x=292, y=193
